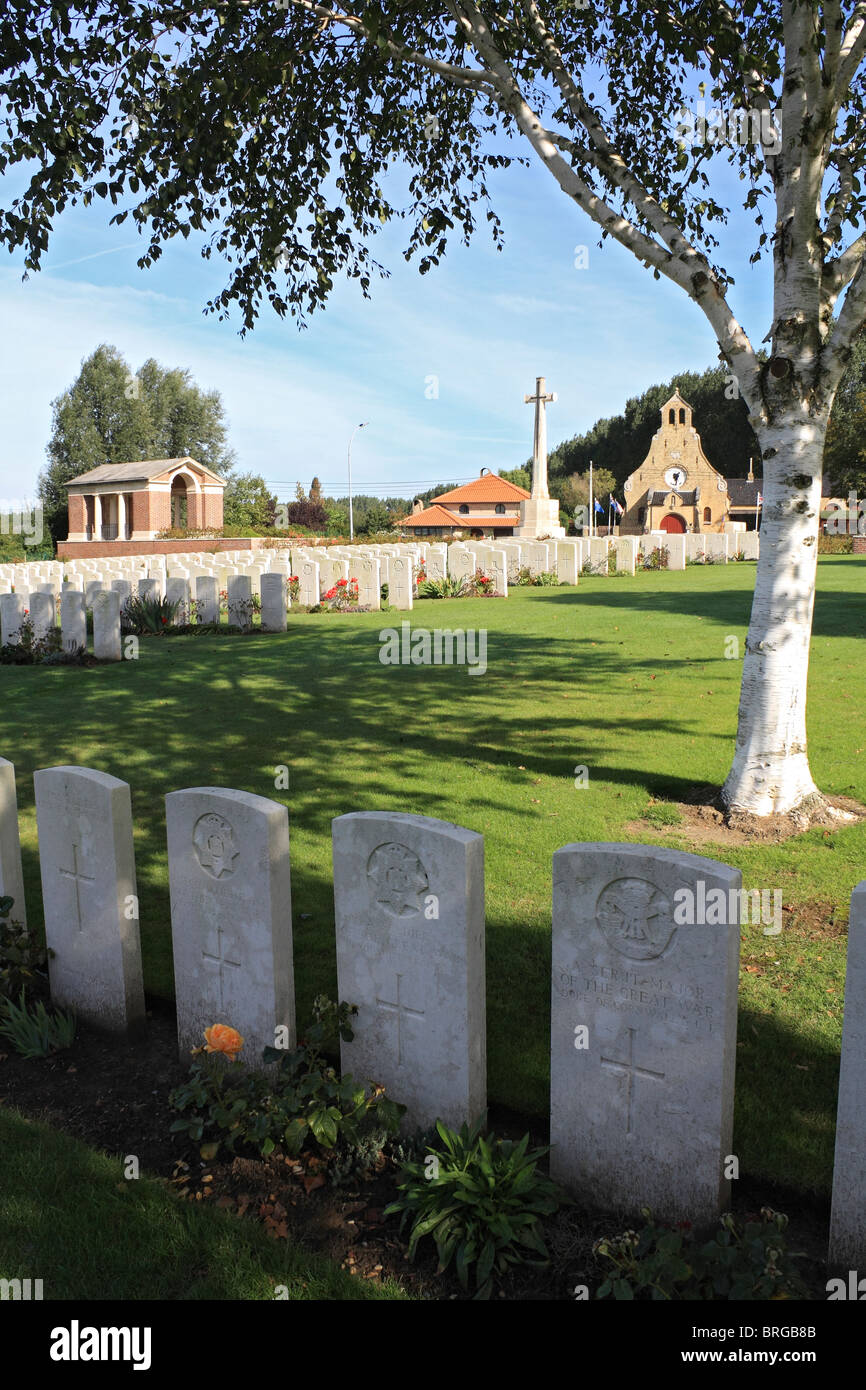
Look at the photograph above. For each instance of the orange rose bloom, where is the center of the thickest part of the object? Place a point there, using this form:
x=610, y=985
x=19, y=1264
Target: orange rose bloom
x=221, y=1038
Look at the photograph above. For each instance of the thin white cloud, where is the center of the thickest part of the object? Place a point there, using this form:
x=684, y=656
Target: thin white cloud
x=93, y=256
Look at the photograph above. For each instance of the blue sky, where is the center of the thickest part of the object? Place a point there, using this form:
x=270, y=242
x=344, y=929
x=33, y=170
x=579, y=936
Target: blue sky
x=484, y=323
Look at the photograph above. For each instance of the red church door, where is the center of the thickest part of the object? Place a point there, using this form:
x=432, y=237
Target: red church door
x=673, y=523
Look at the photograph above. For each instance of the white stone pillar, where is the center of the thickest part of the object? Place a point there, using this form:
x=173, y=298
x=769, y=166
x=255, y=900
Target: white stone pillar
x=121, y=516
x=97, y=516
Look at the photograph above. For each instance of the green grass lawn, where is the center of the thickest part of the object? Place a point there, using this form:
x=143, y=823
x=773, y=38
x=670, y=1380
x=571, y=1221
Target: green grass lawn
x=58, y=1199
x=625, y=676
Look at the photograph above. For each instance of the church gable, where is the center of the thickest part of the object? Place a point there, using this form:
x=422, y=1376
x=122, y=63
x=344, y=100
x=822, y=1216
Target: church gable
x=676, y=478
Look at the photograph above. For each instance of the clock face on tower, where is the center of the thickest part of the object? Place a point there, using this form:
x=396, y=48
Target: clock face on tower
x=676, y=477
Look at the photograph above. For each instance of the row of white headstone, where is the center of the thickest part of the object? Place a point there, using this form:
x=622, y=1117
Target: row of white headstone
x=644, y=1007
x=320, y=568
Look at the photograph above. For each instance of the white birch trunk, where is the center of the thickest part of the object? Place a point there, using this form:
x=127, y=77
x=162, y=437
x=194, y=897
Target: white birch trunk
x=770, y=772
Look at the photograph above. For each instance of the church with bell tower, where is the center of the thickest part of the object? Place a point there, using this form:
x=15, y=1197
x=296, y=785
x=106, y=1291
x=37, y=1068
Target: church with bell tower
x=676, y=488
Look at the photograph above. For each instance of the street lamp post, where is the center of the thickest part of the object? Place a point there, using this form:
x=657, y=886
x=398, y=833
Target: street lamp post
x=362, y=426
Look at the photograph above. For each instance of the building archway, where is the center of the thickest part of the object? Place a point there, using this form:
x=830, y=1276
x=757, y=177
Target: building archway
x=673, y=524
x=179, y=503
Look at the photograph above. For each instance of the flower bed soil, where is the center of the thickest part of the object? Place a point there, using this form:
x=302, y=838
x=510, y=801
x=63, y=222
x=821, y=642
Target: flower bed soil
x=114, y=1096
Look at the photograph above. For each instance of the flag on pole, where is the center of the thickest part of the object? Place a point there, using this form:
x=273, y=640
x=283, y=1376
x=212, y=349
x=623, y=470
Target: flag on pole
x=617, y=508
x=599, y=507
x=760, y=499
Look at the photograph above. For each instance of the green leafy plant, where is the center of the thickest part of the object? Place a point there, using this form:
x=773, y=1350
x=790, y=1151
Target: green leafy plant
x=447, y=587
x=30, y=650
x=146, y=615
x=301, y=1100
x=32, y=1030
x=745, y=1259
x=23, y=959
x=546, y=579
x=835, y=545
x=656, y=559
x=482, y=1201
x=481, y=585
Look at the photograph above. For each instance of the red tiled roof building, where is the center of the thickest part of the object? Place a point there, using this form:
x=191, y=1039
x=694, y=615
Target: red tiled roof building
x=489, y=505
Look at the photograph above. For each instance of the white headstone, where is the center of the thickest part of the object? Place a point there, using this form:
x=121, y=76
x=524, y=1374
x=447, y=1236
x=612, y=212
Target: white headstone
x=695, y=546
x=718, y=546
x=231, y=915
x=124, y=588
x=42, y=614
x=498, y=571
x=566, y=562
x=409, y=902
x=106, y=626
x=626, y=549
x=240, y=601
x=273, y=602
x=149, y=588
x=11, y=618
x=73, y=620
x=308, y=588
x=536, y=557
x=848, y=1213
x=366, y=571
x=598, y=554
x=11, y=872
x=644, y=1027
x=676, y=548
x=89, y=893
x=461, y=562
x=207, y=599
x=401, y=584
x=750, y=544
x=177, y=591
x=437, y=562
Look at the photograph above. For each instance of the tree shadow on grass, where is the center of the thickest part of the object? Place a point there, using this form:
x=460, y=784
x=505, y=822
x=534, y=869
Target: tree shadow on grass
x=838, y=612
x=358, y=735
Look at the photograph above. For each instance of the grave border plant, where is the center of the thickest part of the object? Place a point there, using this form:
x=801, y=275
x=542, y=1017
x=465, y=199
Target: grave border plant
x=482, y=1200
x=299, y=1100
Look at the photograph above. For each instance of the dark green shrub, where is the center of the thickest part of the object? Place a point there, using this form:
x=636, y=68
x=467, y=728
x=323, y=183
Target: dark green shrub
x=301, y=1101
x=32, y=1030
x=23, y=960
x=146, y=616
x=745, y=1259
x=482, y=1201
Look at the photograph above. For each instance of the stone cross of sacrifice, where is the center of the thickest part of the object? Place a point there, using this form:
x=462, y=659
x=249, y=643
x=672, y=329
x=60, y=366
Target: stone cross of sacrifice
x=539, y=442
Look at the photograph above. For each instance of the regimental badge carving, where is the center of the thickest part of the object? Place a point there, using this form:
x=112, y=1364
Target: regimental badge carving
x=626, y=487
x=398, y=879
x=635, y=918
x=722, y=485
x=214, y=843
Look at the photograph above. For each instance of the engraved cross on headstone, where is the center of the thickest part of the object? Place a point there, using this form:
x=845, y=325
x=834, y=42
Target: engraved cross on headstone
x=221, y=960
x=539, y=442
x=399, y=1008
x=631, y=1071
x=78, y=878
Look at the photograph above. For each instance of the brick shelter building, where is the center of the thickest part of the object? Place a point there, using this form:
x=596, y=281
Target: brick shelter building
x=119, y=503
